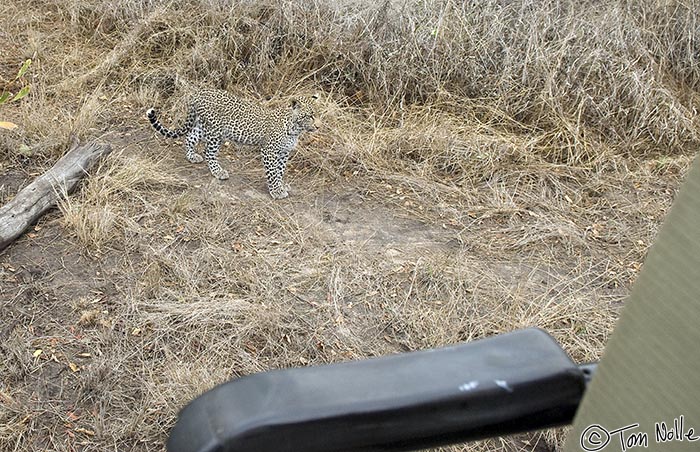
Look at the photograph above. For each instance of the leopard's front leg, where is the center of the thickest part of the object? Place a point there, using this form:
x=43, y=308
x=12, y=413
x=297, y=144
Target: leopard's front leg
x=274, y=173
x=282, y=159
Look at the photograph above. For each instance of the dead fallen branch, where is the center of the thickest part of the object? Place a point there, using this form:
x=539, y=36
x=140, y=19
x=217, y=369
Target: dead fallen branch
x=42, y=194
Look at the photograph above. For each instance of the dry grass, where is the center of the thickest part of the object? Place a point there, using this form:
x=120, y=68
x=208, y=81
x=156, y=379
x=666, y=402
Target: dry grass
x=482, y=167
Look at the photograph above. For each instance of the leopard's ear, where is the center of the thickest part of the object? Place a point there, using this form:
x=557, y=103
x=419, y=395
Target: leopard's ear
x=295, y=104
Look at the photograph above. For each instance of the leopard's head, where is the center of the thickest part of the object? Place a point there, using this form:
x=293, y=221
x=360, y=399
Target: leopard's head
x=303, y=114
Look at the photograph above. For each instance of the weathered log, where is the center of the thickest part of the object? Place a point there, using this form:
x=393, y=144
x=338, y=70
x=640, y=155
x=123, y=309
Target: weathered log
x=42, y=194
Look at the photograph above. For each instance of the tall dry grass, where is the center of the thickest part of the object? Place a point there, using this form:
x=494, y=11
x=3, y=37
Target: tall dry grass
x=589, y=74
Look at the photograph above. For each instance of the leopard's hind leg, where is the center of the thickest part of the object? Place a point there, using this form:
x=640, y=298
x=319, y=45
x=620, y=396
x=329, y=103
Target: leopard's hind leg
x=213, y=146
x=194, y=137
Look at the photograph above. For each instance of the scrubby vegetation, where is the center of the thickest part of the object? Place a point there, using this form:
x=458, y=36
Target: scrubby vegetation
x=483, y=166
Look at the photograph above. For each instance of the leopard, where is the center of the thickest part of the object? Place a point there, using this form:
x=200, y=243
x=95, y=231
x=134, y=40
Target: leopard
x=215, y=116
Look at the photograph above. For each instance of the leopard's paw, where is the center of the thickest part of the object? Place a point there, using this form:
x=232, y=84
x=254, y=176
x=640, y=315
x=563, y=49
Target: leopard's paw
x=279, y=194
x=195, y=158
x=220, y=174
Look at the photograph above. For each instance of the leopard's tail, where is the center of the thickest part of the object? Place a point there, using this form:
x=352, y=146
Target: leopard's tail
x=189, y=123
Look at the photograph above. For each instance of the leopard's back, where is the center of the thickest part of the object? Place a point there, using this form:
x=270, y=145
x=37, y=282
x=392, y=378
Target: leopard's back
x=232, y=117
